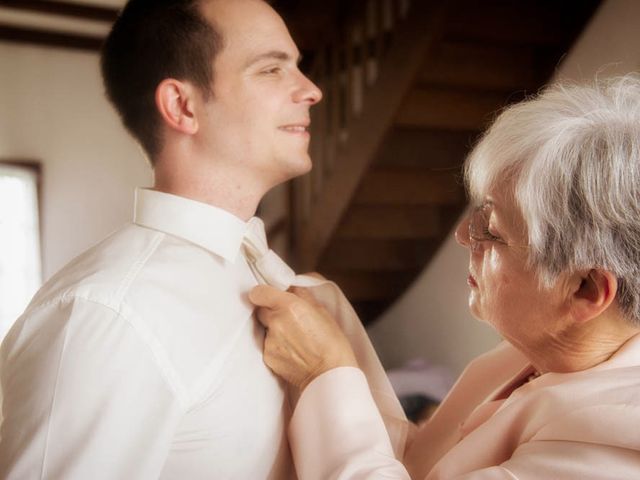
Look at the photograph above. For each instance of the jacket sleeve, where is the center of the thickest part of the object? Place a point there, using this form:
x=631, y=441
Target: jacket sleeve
x=594, y=442
x=337, y=433
x=563, y=460
x=83, y=397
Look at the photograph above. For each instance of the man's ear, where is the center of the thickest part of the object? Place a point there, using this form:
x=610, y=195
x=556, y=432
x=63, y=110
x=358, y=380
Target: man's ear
x=176, y=102
x=592, y=294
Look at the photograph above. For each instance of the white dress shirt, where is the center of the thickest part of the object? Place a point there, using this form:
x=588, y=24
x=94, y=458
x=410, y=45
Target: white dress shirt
x=141, y=359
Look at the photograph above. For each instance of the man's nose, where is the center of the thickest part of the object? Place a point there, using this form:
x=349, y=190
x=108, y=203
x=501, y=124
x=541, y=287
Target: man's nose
x=308, y=91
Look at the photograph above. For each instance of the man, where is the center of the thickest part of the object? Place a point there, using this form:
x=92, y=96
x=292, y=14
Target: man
x=141, y=358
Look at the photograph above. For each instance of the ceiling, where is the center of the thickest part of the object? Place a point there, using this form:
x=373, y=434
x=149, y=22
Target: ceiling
x=100, y=3
x=82, y=24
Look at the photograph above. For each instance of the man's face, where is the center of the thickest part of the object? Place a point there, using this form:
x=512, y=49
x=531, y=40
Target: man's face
x=257, y=120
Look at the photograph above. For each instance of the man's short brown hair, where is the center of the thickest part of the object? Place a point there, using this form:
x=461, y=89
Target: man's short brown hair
x=150, y=41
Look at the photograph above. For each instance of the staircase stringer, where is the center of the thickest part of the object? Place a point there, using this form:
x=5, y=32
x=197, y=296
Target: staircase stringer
x=319, y=201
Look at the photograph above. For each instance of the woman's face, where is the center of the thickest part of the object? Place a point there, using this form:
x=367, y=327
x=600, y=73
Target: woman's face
x=504, y=292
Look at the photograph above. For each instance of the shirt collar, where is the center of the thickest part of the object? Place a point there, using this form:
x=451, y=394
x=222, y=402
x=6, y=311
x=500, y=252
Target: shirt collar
x=209, y=227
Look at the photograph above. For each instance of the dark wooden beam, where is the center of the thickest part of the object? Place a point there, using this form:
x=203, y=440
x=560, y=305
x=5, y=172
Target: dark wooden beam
x=67, y=9
x=48, y=38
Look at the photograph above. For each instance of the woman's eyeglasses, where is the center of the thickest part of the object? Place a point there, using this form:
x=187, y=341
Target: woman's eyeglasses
x=479, y=227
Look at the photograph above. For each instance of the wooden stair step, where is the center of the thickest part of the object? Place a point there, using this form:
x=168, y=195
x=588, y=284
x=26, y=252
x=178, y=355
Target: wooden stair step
x=367, y=286
x=377, y=254
x=451, y=108
x=402, y=186
x=364, y=221
x=529, y=22
x=483, y=66
x=430, y=148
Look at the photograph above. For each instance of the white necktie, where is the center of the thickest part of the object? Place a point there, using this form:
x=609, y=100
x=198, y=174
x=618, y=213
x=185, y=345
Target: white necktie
x=266, y=265
x=269, y=268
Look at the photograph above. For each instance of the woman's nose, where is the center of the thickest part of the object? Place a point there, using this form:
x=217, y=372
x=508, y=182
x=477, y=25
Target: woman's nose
x=462, y=232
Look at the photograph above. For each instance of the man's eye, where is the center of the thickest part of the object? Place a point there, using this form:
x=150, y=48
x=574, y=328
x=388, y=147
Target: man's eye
x=271, y=71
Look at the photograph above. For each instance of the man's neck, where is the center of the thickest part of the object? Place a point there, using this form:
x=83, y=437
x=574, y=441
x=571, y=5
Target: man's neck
x=239, y=204
x=219, y=189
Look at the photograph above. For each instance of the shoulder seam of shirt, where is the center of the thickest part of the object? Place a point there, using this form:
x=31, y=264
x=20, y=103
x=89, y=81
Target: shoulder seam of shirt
x=135, y=269
x=131, y=274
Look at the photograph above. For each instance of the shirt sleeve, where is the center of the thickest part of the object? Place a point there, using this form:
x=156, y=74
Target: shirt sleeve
x=83, y=397
x=336, y=431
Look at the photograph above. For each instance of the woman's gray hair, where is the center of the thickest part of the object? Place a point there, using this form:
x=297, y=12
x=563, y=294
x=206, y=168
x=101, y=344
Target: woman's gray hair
x=573, y=155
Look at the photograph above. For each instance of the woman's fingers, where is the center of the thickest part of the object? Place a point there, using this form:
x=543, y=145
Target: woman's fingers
x=305, y=295
x=268, y=296
x=262, y=296
x=303, y=339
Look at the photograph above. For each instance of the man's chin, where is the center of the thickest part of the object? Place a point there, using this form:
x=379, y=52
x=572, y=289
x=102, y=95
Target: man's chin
x=307, y=167
x=301, y=167
x=293, y=170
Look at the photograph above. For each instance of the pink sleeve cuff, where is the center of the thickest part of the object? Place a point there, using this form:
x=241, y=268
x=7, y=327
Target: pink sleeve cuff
x=336, y=421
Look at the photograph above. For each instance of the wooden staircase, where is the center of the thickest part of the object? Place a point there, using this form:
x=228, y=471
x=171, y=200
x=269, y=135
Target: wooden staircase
x=408, y=87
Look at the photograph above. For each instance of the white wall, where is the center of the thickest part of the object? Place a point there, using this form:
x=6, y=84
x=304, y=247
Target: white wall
x=609, y=46
x=52, y=109
x=431, y=320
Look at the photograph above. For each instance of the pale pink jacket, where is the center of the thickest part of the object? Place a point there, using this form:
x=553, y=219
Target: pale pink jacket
x=575, y=426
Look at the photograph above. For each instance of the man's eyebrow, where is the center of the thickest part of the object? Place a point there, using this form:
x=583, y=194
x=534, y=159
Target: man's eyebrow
x=272, y=55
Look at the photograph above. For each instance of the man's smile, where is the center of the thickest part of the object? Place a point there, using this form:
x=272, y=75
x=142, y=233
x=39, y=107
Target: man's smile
x=296, y=128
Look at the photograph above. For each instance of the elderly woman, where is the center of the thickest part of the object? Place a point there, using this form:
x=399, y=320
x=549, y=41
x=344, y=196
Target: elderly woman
x=554, y=267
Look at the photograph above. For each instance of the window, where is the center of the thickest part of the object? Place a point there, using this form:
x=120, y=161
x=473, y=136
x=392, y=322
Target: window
x=20, y=269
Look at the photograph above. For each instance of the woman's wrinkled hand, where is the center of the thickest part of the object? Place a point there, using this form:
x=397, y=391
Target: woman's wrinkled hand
x=303, y=340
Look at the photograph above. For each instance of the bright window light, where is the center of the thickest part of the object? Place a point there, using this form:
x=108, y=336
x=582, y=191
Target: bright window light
x=20, y=273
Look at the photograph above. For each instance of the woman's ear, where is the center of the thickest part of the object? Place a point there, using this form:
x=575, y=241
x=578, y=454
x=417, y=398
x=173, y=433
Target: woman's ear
x=592, y=294
x=176, y=102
